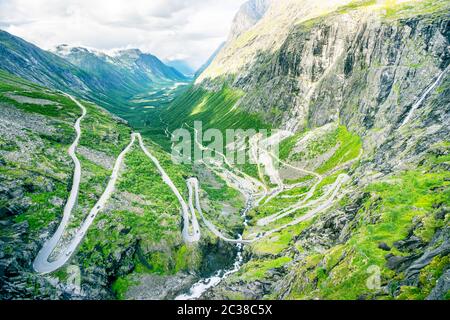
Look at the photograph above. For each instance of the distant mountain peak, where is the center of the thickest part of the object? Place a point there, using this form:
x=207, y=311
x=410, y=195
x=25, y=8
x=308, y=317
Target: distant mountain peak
x=248, y=15
x=136, y=53
x=99, y=75
x=126, y=59
x=276, y=19
x=64, y=50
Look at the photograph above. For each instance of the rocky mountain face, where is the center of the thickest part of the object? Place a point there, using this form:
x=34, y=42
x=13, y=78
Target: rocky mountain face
x=361, y=66
x=267, y=35
x=248, y=15
x=353, y=68
x=381, y=70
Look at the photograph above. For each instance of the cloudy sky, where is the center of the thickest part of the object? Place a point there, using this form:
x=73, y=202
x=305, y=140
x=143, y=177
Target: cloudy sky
x=171, y=29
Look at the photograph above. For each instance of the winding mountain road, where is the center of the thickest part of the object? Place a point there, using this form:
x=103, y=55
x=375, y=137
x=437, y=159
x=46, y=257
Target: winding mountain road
x=193, y=186
x=312, y=213
x=317, y=205
x=42, y=263
x=45, y=263
x=304, y=204
x=187, y=210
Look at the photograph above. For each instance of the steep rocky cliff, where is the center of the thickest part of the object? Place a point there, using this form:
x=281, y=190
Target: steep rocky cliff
x=248, y=15
x=379, y=70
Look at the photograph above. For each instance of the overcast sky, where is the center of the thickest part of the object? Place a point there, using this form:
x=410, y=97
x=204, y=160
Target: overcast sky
x=171, y=29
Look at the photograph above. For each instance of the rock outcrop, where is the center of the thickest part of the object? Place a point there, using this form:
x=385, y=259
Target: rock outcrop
x=382, y=70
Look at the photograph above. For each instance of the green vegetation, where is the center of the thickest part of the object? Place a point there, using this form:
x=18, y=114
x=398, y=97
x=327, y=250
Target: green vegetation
x=44, y=172
x=342, y=146
x=395, y=206
x=222, y=193
x=143, y=110
x=258, y=269
x=287, y=145
x=319, y=145
x=307, y=25
x=349, y=148
x=355, y=5
x=298, y=180
x=280, y=241
x=120, y=287
x=391, y=10
x=102, y=132
x=215, y=110
x=326, y=182
x=278, y=203
x=152, y=215
x=43, y=211
x=404, y=10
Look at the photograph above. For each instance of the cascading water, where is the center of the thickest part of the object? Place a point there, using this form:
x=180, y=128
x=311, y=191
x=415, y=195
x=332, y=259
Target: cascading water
x=202, y=286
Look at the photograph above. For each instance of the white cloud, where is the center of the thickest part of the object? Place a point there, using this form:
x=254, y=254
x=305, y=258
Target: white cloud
x=166, y=28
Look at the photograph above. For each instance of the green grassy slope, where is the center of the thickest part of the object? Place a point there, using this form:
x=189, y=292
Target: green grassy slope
x=139, y=232
x=216, y=110
x=405, y=204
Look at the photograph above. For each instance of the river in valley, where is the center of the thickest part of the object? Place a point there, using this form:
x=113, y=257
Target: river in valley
x=202, y=286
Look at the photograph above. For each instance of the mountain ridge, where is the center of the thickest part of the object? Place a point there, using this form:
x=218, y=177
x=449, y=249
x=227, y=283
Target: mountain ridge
x=87, y=72
x=248, y=15
x=363, y=88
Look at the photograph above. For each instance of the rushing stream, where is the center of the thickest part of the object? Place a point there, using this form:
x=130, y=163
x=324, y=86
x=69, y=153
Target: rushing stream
x=202, y=286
